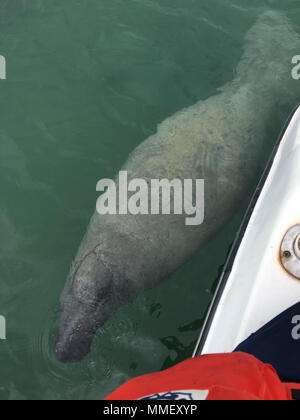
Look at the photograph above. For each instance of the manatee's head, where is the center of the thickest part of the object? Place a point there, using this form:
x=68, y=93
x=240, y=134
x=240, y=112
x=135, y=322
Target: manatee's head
x=89, y=299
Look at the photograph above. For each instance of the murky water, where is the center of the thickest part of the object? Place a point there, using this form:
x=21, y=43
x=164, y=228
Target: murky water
x=87, y=81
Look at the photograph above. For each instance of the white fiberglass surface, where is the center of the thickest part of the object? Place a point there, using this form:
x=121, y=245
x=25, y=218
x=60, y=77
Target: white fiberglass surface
x=258, y=287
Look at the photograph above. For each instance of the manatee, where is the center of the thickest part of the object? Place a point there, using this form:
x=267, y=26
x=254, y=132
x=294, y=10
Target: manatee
x=219, y=140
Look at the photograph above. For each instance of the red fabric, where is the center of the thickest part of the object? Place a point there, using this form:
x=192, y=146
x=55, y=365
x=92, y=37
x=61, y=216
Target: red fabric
x=236, y=376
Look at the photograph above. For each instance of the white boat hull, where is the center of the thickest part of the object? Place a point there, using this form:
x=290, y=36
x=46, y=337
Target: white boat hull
x=255, y=287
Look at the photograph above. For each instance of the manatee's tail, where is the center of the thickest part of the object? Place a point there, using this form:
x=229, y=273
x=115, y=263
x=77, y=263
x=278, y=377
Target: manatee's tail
x=270, y=46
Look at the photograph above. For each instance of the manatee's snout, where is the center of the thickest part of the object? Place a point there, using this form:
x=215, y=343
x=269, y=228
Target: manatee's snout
x=86, y=303
x=73, y=339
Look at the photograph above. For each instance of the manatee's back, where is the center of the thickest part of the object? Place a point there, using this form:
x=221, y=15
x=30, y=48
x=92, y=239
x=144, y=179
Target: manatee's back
x=218, y=140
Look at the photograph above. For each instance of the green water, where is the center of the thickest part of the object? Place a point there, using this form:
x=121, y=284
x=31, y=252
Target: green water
x=87, y=81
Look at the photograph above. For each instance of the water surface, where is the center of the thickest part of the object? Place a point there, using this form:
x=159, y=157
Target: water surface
x=87, y=82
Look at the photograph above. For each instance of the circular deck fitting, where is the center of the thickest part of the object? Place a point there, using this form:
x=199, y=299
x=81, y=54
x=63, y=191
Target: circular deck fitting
x=290, y=251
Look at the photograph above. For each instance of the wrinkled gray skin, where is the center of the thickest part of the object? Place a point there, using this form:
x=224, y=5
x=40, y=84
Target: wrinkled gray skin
x=218, y=140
